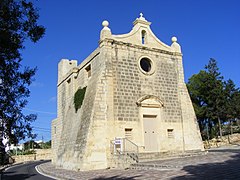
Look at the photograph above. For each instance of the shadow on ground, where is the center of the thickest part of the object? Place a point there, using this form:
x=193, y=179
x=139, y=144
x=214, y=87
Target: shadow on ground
x=229, y=169
x=115, y=178
x=13, y=176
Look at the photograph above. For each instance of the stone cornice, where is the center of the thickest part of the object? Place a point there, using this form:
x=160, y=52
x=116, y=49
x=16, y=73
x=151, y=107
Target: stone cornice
x=111, y=42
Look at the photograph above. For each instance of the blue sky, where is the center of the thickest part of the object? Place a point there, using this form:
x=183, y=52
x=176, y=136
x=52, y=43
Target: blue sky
x=205, y=29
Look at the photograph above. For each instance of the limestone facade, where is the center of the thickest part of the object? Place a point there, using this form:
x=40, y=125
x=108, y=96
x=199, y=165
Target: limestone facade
x=135, y=90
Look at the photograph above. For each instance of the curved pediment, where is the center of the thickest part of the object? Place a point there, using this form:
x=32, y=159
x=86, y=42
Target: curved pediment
x=141, y=34
x=150, y=101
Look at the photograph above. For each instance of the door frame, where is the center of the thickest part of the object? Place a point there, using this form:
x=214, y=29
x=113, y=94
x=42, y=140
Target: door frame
x=150, y=105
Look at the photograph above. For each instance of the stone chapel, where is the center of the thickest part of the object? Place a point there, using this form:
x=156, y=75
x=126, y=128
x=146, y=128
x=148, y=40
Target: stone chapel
x=135, y=102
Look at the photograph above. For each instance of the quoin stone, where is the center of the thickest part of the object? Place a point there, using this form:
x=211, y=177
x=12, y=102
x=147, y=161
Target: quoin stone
x=136, y=102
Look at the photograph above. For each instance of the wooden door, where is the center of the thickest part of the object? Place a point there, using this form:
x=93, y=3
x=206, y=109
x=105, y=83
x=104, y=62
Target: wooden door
x=150, y=133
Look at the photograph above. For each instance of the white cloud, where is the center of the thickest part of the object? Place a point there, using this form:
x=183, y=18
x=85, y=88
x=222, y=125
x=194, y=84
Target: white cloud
x=53, y=99
x=37, y=111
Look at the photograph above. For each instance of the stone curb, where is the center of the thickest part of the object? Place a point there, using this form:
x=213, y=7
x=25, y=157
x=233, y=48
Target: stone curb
x=5, y=167
x=49, y=173
x=40, y=171
x=8, y=166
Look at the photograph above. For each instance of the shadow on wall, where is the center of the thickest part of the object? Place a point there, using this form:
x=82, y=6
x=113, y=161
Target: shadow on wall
x=224, y=170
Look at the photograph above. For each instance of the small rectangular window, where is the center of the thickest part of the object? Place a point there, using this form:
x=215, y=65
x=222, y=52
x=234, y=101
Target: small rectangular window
x=128, y=133
x=68, y=87
x=69, y=80
x=55, y=129
x=149, y=116
x=88, y=69
x=170, y=133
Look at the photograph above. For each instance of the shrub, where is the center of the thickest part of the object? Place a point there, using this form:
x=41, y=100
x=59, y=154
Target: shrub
x=79, y=97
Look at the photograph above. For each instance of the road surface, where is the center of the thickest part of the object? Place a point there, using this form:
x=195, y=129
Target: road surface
x=24, y=171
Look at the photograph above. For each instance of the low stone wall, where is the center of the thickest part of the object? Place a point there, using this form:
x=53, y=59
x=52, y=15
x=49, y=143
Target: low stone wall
x=44, y=154
x=41, y=154
x=225, y=141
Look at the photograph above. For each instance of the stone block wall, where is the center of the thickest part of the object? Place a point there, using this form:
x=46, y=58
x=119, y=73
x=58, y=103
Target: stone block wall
x=111, y=103
x=110, y=106
x=41, y=154
x=130, y=84
x=81, y=133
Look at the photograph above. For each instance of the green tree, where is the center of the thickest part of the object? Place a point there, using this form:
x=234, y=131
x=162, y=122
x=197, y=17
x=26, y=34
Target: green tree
x=18, y=23
x=232, y=102
x=197, y=90
x=236, y=105
x=208, y=96
x=215, y=96
x=31, y=145
x=46, y=145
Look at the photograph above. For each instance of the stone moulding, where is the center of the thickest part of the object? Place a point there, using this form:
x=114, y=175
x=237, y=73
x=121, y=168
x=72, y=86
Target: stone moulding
x=140, y=101
x=112, y=42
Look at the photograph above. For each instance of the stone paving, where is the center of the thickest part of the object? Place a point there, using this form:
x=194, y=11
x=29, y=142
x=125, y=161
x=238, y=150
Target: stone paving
x=218, y=163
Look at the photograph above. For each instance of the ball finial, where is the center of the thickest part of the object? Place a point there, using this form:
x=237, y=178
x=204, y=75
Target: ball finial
x=105, y=23
x=174, y=39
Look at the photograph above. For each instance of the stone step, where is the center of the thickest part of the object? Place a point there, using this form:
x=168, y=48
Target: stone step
x=160, y=161
x=143, y=157
x=140, y=166
x=146, y=160
x=122, y=161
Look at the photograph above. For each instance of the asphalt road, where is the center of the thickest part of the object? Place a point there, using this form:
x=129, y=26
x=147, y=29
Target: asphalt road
x=24, y=171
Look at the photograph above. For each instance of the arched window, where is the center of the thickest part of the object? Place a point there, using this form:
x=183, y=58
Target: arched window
x=144, y=37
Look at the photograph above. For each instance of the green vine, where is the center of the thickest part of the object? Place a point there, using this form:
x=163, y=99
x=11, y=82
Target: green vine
x=79, y=97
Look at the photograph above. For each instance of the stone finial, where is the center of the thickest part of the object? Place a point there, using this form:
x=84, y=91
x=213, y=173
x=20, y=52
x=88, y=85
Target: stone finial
x=141, y=17
x=174, y=39
x=105, y=24
x=106, y=31
x=175, y=46
x=141, y=20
